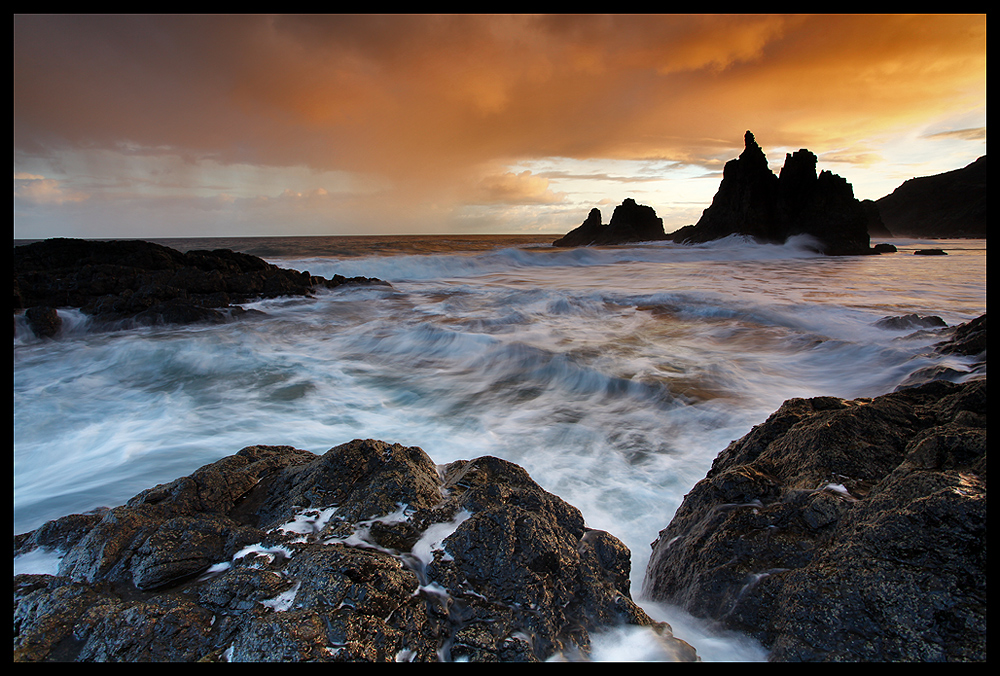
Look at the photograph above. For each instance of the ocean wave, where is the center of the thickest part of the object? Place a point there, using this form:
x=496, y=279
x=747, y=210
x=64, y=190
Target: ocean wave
x=406, y=267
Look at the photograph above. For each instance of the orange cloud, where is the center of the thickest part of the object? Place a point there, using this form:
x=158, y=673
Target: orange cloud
x=40, y=190
x=511, y=188
x=427, y=103
x=379, y=91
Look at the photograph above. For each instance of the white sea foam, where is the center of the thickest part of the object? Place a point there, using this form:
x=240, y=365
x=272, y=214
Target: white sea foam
x=269, y=554
x=433, y=538
x=283, y=601
x=39, y=561
x=308, y=523
x=712, y=644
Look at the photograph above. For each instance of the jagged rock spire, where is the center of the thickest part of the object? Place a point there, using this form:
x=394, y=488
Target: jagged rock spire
x=752, y=201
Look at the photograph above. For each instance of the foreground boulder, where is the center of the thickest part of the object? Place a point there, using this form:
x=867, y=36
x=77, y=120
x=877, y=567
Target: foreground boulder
x=630, y=222
x=367, y=553
x=753, y=202
x=844, y=530
x=146, y=283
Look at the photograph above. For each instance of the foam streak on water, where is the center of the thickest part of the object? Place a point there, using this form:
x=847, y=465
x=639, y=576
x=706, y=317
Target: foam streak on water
x=613, y=375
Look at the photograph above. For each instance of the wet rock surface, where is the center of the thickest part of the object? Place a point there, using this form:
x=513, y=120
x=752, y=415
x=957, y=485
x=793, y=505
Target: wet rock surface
x=137, y=282
x=966, y=341
x=368, y=552
x=845, y=530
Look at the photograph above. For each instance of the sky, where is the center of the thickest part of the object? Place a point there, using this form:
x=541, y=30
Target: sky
x=252, y=125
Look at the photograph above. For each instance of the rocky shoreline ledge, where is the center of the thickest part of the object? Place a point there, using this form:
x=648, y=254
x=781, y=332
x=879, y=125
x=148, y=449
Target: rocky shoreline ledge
x=368, y=552
x=845, y=530
x=134, y=282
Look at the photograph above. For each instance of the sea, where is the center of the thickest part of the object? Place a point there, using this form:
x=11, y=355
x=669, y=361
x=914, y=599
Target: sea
x=613, y=375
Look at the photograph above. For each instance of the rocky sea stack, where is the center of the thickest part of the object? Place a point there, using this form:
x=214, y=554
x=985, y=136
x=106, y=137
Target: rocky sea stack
x=136, y=282
x=368, y=553
x=845, y=530
x=630, y=223
x=753, y=202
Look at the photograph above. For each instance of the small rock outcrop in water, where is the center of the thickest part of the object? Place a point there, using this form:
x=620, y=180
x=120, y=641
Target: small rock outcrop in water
x=147, y=283
x=844, y=530
x=368, y=552
x=911, y=321
x=630, y=223
x=966, y=340
x=752, y=201
x=952, y=204
x=43, y=321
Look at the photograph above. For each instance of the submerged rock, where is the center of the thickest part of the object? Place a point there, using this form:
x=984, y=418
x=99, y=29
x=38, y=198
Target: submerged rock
x=753, y=202
x=367, y=553
x=843, y=530
x=146, y=283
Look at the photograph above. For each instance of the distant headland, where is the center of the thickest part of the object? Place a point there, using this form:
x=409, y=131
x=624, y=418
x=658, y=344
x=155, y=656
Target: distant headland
x=948, y=205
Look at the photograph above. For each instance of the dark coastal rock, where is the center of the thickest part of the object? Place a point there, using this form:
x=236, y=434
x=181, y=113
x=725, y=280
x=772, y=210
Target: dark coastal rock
x=930, y=252
x=947, y=205
x=630, y=223
x=368, y=552
x=147, y=283
x=844, y=530
x=911, y=321
x=966, y=340
x=752, y=201
x=43, y=321
x=585, y=233
x=876, y=228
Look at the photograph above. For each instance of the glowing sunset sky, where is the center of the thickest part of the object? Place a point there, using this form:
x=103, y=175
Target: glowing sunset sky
x=160, y=126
